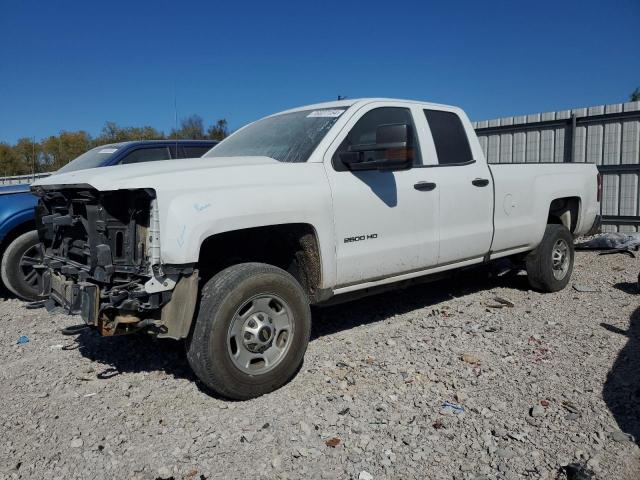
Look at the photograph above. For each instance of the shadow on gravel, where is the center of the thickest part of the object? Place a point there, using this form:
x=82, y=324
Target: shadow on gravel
x=368, y=310
x=134, y=353
x=627, y=287
x=140, y=353
x=621, y=391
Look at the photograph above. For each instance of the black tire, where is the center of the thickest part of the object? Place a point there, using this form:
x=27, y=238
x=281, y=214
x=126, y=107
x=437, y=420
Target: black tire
x=17, y=271
x=209, y=348
x=542, y=272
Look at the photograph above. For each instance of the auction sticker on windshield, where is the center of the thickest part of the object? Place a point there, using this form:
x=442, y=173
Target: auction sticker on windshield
x=325, y=113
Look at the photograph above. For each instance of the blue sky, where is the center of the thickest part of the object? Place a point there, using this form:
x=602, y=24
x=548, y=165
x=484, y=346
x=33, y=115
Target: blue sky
x=69, y=65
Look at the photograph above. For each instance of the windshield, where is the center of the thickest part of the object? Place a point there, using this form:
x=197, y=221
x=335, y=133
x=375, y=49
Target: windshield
x=91, y=159
x=290, y=137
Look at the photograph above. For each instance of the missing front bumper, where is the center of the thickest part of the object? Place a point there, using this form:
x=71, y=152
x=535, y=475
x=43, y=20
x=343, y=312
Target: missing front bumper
x=171, y=318
x=81, y=298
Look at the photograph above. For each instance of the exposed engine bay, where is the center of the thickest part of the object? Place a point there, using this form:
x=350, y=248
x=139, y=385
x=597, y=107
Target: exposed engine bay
x=101, y=259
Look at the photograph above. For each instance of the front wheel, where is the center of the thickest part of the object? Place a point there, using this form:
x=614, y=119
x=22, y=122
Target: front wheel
x=251, y=331
x=17, y=268
x=550, y=265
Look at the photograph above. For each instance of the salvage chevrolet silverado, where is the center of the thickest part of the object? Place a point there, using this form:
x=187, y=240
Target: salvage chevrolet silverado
x=228, y=251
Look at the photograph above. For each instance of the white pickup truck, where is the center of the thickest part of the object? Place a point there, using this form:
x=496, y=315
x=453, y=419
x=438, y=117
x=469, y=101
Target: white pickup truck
x=228, y=251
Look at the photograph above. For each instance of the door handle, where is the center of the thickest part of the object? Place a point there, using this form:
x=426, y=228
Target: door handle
x=424, y=186
x=480, y=182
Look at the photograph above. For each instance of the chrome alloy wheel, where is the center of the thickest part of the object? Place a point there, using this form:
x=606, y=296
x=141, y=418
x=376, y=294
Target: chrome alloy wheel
x=260, y=334
x=560, y=257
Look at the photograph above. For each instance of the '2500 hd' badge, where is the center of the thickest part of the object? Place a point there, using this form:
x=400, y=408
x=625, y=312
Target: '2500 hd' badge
x=359, y=238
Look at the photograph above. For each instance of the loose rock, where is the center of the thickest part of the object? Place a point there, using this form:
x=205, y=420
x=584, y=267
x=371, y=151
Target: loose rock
x=76, y=443
x=537, y=411
x=619, y=436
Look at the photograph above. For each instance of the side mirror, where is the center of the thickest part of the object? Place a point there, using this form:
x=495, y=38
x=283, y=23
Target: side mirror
x=395, y=135
x=394, y=140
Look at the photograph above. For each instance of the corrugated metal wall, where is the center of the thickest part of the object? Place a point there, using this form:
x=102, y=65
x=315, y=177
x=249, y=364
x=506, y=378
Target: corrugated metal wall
x=607, y=135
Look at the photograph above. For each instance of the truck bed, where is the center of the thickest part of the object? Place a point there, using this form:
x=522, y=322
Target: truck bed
x=520, y=211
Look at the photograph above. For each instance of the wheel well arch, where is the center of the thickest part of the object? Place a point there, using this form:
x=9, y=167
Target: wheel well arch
x=294, y=247
x=565, y=211
x=15, y=232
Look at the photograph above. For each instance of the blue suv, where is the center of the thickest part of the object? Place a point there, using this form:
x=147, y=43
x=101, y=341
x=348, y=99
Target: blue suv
x=19, y=244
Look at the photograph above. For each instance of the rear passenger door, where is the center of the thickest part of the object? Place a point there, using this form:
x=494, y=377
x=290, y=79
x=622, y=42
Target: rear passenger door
x=465, y=214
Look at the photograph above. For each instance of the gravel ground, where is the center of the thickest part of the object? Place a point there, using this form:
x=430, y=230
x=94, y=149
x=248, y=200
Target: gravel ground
x=551, y=380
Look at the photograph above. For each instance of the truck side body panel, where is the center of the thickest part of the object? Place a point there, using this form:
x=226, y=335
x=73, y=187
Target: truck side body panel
x=524, y=193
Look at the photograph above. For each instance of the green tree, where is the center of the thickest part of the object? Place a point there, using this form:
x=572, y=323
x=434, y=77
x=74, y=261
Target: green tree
x=59, y=150
x=10, y=164
x=191, y=128
x=218, y=131
x=635, y=95
x=29, y=154
x=113, y=133
x=143, y=133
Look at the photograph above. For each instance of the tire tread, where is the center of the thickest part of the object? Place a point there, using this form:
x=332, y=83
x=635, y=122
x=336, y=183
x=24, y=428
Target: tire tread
x=210, y=369
x=9, y=267
x=539, y=270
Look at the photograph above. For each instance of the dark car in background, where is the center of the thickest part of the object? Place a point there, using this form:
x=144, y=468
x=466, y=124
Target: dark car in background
x=19, y=244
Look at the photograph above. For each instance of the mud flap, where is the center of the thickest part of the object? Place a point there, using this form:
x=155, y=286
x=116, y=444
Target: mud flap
x=177, y=315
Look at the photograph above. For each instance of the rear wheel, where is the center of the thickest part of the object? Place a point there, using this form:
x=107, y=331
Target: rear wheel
x=251, y=331
x=549, y=266
x=18, y=262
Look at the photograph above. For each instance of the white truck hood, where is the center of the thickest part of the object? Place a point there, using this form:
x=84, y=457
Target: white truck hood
x=200, y=197
x=149, y=174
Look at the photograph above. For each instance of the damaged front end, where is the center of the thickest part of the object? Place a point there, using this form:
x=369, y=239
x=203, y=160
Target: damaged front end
x=102, y=261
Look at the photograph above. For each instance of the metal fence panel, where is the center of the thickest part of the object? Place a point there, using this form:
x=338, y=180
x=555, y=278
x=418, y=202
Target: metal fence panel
x=607, y=135
x=17, y=179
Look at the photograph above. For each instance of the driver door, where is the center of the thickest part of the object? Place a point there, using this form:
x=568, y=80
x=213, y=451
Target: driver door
x=385, y=220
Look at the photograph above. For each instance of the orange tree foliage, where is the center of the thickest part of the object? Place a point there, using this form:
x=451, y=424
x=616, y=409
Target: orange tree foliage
x=27, y=156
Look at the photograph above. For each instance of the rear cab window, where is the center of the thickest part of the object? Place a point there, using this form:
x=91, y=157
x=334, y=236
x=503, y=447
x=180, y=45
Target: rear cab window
x=449, y=137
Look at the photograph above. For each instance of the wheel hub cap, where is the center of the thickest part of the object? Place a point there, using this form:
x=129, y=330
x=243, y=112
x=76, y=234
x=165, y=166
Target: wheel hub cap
x=260, y=334
x=257, y=332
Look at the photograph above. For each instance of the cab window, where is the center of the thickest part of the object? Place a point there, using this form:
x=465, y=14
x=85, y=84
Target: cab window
x=364, y=132
x=195, y=151
x=449, y=137
x=146, y=155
